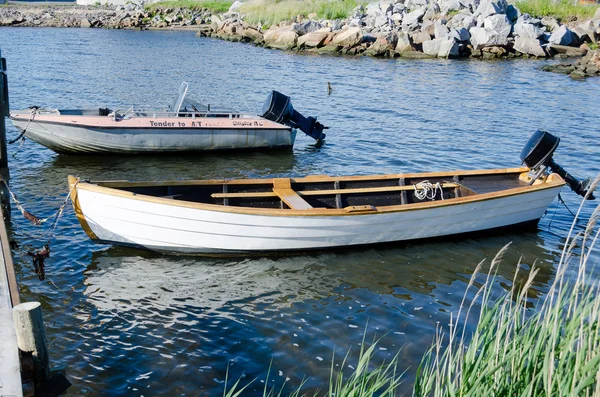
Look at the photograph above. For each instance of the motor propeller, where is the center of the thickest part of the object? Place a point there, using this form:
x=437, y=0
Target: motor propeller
x=537, y=155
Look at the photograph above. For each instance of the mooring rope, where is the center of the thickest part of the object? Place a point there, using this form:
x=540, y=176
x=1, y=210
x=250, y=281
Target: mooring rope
x=22, y=135
x=427, y=190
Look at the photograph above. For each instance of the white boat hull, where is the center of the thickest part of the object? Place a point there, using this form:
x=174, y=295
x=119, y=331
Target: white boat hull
x=159, y=226
x=74, y=139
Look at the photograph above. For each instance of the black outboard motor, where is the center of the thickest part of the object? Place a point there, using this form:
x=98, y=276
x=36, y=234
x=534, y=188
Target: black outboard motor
x=537, y=155
x=278, y=108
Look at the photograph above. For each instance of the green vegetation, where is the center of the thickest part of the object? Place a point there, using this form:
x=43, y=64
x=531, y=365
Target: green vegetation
x=270, y=12
x=562, y=10
x=520, y=347
x=215, y=6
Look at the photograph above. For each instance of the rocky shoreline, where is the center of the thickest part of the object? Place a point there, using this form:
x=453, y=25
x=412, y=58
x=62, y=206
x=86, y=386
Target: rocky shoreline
x=398, y=28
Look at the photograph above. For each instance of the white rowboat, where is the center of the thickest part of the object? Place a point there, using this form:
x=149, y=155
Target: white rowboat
x=318, y=212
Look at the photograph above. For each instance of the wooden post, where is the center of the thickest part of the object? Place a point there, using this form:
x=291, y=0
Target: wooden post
x=31, y=337
x=4, y=112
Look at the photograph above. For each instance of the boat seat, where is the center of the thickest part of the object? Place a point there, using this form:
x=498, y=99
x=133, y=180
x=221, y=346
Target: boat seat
x=282, y=187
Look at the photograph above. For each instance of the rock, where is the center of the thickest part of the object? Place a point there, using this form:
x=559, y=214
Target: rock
x=384, y=44
x=313, y=39
x=414, y=55
x=568, y=51
x=253, y=35
x=440, y=30
x=85, y=23
x=450, y=5
x=461, y=34
x=420, y=37
x=462, y=21
x=491, y=7
x=586, y=30
x=442, y=48
x=563, y=36
x=432, y=11
x=329, y=50
x=413, y=17
x=306, y=27
x=282, y=38
x=403, y=44
x=512, y=13
x=529, y=46
x=216, y=19
x=482, y=37
x=524, y=29
x=597, y=15
x=348, y=38
x=498, y=23
x=428, y=27
x=550, y=23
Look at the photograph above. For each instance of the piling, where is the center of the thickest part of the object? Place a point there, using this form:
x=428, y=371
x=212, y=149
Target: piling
x=4, y=112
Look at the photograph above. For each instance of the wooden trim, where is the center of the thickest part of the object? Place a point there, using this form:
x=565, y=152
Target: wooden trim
x=551, y=183
x=382, y=189
x=77, y=207
x=311, y=179
x=282, y=187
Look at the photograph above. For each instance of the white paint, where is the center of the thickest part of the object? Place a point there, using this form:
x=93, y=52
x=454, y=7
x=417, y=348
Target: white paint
x=165, y=227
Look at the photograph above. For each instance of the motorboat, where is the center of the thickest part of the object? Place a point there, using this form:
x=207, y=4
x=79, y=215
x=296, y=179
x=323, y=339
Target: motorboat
x=184, y=126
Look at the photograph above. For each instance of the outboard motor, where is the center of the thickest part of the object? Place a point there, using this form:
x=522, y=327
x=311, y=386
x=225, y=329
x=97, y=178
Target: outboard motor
x=537, y=155
x=278, y=108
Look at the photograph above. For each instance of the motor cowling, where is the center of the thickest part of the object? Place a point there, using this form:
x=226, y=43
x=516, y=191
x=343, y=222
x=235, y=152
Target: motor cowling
x=278, y=108
x=537, y=155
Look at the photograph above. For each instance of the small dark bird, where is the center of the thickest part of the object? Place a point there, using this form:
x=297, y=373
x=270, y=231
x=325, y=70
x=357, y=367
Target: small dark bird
x=38, y=261
x=329, y=88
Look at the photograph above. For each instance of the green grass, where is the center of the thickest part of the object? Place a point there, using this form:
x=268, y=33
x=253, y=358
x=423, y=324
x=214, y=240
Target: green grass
x=562, y=10
x=543, y=348
x=215, y=6
x=271, y=12
x=550, y=350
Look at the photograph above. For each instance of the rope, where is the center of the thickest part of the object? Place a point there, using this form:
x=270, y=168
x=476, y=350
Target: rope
x=427, y=190
x=33, y=112
x=565, y=204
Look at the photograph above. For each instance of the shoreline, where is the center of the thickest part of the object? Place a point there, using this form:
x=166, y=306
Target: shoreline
x=494, y=29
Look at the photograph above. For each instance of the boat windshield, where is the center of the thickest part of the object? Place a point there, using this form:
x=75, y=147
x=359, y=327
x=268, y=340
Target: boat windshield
x=176, y=106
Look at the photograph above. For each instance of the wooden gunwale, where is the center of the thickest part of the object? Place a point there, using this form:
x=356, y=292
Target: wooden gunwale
x=329, y=192
x=310, y=179
x=552, y=181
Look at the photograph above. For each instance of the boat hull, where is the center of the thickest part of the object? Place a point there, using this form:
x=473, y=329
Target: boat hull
x=79, y=139
x=181, y=228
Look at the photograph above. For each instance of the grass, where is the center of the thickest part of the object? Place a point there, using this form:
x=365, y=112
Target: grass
x=519, y=348
x=271, y=12
x=562, y=10
x=215, y=6
x=552, y=350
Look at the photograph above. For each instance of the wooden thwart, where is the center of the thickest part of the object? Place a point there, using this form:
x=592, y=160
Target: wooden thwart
x=282, y=187
x=381, y=189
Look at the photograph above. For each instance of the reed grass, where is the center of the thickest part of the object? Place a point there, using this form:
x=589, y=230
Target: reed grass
x=215, y=6
x=271, y=12
x=550, y=350
x=546, y=348
x=563, y=10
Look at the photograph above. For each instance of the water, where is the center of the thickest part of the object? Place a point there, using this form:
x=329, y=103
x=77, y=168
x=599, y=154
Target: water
x=128, y=322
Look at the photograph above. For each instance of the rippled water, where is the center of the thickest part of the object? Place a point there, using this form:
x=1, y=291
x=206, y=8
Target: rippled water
x=128, y=322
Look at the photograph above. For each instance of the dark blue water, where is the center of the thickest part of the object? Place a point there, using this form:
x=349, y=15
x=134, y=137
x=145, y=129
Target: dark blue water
x=127, y=322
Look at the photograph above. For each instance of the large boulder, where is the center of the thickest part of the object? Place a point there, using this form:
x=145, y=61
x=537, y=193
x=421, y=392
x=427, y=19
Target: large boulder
x=462, y=21
x=251, y=34
x=383, y=44
x=491, y=7
x=529, y=46
x=524, y=29
x=309, y=26
x=550, y=23
x=442, y=48
x=461, y=34
x=482, y=37
x=563, y=36
x=420, y=37
x=282, y=38
x=403, y=44
x=313, y=39
x=499, y=23
x=412, y=18
x=440, y=30
x=348, y=38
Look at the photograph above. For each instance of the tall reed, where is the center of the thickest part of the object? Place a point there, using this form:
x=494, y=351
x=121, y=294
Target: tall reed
x=550, y=350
